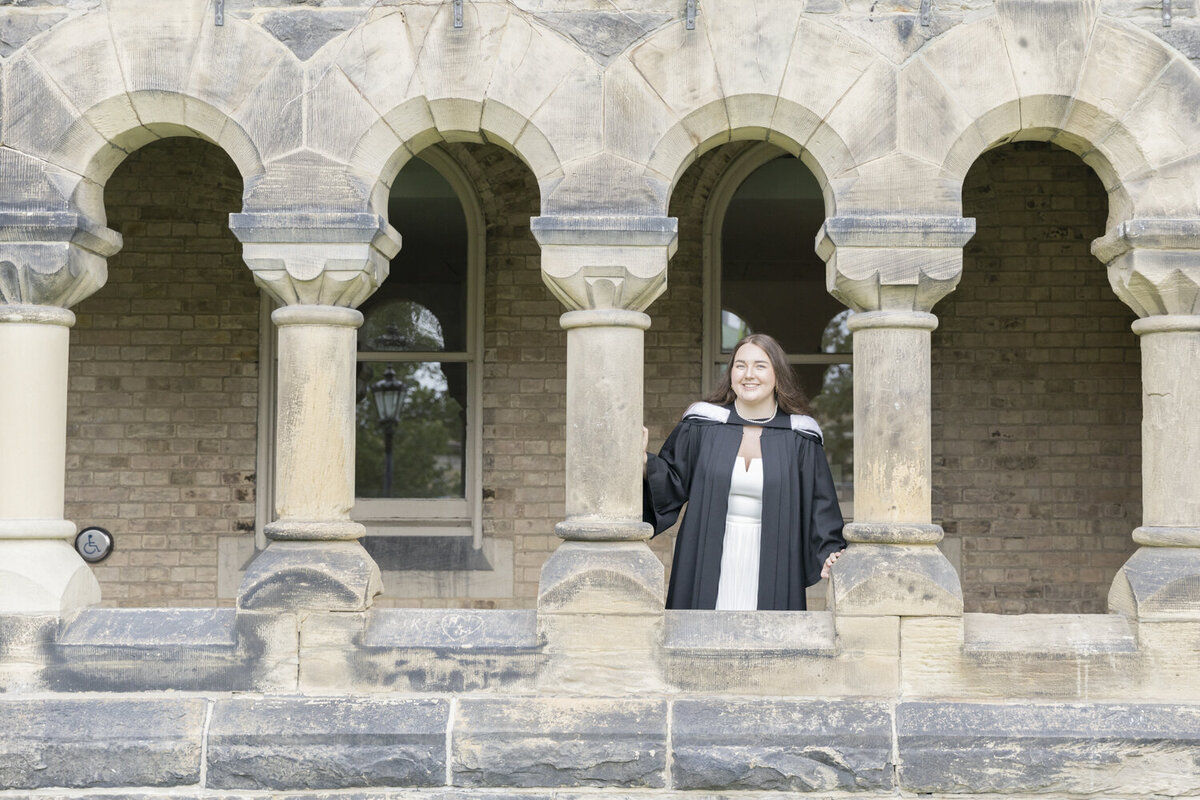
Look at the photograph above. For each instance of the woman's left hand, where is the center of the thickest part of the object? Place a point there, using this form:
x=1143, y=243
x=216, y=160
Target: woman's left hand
x=829, y=563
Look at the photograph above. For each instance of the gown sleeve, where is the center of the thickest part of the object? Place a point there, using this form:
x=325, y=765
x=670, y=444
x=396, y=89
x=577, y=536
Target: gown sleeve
x=669, y=478
x=826, y=521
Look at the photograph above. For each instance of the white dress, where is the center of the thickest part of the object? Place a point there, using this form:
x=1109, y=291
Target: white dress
x=738, y=588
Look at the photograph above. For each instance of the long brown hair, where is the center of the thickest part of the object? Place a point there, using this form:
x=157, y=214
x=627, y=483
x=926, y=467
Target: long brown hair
x=788, y=394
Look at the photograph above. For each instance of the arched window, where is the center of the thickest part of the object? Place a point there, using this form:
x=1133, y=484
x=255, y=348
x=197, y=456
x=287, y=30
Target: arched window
x=762, y=274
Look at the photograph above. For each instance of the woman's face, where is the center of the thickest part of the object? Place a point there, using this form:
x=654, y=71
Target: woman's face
x=752, y=376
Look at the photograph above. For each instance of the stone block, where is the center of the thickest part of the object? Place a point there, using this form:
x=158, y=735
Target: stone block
x=1119, y=750
x=865, y=117
x=1052, y=656
x=100, y=743
x=305, y=31
x=1166, y=120
x=24, y=646
x=538, y=741
x=778, y=653
x=338, y=116
x=752, y=42
x=125, y=650
x=1158, y=583
x=157, y=50
x=781, y=745
x=325, y=576
x=296, y=743
x=972, y=62
x=419, y=650
x=1046, y=43
x=904, y=580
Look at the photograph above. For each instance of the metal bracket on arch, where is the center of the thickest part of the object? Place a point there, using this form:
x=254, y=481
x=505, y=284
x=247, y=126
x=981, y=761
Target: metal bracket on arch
x=1166, y=13
x=690, y=15
x=927, y=13
x=458, y=13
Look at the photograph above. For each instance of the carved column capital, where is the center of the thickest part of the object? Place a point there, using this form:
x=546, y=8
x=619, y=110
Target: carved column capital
x=1154, y=264
x=595, y=262
x=893, y=263
x=52, y=258
x=310, y=258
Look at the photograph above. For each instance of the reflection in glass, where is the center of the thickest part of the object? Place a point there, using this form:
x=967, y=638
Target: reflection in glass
x=400, y=326
x=428, y=437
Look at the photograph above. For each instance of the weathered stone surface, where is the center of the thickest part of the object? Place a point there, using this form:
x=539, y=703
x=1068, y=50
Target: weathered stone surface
x=304, y=32
x=326, y=576
x=1118, y=749
x=181, y=649
x=326, y=743
x=538, y=741
x=604, y=35
x=805, y=745
x=419, y=650
x=100, y=742
x=17, y=29
x=908, y=580
x=1159, y=583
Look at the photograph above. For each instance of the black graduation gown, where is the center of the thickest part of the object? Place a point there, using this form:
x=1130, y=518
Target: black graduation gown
x=801, y=520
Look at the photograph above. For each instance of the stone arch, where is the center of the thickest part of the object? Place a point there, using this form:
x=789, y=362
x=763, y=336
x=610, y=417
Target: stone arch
x=380, y=153
x=89, y=91
x=803, y=88
x=1117, y=96
x=411, y=79
x=97, y=161
x=703, y=132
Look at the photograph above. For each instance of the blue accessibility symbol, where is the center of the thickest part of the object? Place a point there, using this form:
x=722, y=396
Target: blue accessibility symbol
x=94, y=544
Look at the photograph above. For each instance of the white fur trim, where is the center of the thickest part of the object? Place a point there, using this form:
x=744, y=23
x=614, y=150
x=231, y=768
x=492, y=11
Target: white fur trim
x=707, y=411
x=802, y=423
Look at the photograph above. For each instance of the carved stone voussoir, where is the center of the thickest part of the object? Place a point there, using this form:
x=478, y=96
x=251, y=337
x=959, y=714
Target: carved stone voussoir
x=333, y=259
x=1154, y=264
x=606, y=262
x=52, y=258
x=893, y=263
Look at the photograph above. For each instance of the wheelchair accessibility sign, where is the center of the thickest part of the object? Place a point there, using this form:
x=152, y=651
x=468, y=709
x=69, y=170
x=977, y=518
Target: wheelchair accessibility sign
x=94, y=544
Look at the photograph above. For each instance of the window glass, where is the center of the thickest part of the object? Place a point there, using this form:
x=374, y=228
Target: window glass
x=414, y=365
x=413, y=418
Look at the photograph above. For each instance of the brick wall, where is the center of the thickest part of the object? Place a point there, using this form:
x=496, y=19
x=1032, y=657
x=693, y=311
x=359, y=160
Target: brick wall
x=1036, y=393
x=163, y=380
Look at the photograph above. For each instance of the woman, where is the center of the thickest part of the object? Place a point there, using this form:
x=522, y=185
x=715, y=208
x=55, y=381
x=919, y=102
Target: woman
x=763, y=521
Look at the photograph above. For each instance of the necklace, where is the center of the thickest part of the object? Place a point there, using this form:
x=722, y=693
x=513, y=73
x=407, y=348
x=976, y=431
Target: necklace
x=757, y=421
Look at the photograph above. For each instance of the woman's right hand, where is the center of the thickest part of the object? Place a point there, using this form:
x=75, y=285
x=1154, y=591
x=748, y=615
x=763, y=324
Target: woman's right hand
x=645, y=443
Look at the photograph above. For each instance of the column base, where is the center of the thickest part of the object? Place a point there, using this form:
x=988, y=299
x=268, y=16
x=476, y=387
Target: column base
x=602, y=578
x=319, y=576
x=1158, y=583
x=44, y=577
x=600, y=614
x=907, y=580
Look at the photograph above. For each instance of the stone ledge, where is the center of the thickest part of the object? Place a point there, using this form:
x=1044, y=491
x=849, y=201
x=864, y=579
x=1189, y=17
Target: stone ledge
x=559, y=741
x=295, y=743
x=1047, y=635
x=1118, y=749
x=745, y=632
x=87, y=743
x=144, y=649
x=802, y=745
x=419, y=650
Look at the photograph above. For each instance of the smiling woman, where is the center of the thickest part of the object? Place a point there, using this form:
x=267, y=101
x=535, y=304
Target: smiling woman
x=763, y=521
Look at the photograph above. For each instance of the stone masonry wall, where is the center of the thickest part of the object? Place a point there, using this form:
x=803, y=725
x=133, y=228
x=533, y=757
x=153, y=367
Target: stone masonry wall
x=1035, y=381
x=163, y=380
x=1036, y=393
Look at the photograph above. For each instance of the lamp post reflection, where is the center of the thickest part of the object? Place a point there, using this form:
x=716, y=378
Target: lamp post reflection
x=389, y=397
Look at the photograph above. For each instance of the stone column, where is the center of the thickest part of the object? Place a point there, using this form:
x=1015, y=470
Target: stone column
x=319, y=266
x=1154, y=266
x=47, y=261
x=602, y=590
x=892, y=270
